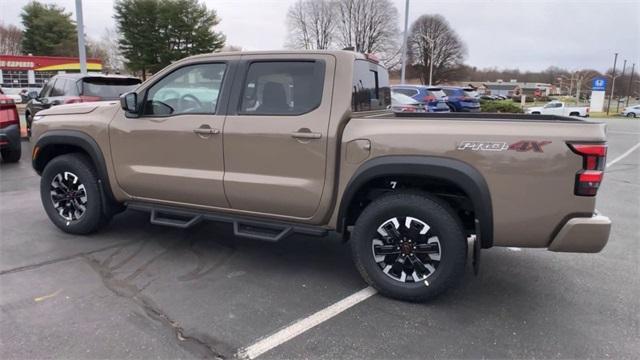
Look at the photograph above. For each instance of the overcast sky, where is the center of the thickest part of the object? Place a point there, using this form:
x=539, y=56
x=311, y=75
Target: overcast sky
x=530, y=35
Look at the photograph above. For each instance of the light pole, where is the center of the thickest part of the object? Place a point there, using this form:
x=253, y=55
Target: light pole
x=404, y=42
x=431, y=63
x=613, y=82
x=633, y=69
x=430, y=40
x=82, y=52
x=618, y=102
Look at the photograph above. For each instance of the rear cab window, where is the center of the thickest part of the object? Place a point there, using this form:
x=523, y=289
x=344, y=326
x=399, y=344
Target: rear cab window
x=107, y=87
x=371, y=89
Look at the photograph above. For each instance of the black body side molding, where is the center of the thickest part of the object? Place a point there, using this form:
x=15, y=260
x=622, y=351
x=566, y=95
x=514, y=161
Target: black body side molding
x=457, y=172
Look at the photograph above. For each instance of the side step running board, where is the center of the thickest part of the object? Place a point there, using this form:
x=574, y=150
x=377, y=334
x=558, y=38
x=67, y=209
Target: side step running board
x=175, y=220
x=242, y=226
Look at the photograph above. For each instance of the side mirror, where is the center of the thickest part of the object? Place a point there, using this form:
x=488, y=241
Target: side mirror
x=129, y=102
x=32, y=95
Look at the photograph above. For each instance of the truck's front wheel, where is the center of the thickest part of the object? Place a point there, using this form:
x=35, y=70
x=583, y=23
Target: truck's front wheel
x=70, y=194
x=409, y=246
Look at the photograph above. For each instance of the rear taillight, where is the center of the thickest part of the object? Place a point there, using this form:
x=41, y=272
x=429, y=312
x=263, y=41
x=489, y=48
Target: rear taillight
x=8, y=113
x=594, y=158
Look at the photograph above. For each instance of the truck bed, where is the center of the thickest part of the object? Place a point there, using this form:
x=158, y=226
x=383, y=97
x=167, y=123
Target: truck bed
x=479, y=116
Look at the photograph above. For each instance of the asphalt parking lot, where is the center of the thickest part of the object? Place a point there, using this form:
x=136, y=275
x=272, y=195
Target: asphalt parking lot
x=135, y=290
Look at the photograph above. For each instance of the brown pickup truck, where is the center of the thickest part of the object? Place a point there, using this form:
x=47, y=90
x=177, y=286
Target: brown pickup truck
x=280, y=143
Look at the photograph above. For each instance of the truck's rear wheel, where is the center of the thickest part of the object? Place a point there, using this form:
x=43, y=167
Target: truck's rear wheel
x=409, y=246
x=70, y=194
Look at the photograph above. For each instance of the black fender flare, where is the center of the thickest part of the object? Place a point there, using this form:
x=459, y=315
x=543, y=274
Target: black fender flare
x=465, y=176
x=78, y=139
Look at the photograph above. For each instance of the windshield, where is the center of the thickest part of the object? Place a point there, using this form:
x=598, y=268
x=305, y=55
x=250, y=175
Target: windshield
x=108, y=88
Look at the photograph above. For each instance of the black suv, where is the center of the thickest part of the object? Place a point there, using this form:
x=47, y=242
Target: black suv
x=75, y=88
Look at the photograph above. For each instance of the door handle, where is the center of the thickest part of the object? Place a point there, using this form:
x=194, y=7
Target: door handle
x=206, y=131
x=306, y=135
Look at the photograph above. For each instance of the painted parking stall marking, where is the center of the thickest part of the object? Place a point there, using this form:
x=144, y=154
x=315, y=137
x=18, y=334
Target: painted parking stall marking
x=624, y=155
x=300, y=326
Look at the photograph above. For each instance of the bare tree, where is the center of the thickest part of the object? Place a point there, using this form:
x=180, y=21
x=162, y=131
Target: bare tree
x=434, y=47
x=10, y=40
x=369, y=26
x=311, y=24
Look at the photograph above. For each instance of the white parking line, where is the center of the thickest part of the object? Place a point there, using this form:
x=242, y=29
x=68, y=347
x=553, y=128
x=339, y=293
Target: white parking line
x=626, y=153
x=300, y=326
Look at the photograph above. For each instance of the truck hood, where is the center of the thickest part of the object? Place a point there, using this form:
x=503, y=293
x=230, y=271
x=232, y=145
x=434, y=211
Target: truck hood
x=78, y=108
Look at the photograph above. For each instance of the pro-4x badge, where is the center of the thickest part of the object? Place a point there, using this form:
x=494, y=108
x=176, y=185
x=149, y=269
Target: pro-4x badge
x=520, y=146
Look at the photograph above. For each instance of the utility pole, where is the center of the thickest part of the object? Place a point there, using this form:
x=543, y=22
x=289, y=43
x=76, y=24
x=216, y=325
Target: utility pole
x=613, y=82
x=430, y=40
x=404, y=42
x=82, y=52
x=618, y=102
x=633, y=69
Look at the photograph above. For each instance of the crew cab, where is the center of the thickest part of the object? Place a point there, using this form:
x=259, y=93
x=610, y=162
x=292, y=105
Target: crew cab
x=280, y=143
x=559, y=108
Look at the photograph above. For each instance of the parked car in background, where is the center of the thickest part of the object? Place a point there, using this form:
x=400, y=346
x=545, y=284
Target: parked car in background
x=631, y=111
x=77, y=88
x=433, y=98
x=462, y=98
x=402, y=104
x=490, y=97
x=10, y=147
x=559, y=108
x=17, y=99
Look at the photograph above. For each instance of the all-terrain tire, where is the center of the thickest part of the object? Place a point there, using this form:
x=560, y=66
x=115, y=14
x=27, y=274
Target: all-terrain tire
x=70, y=167
x=442, y=225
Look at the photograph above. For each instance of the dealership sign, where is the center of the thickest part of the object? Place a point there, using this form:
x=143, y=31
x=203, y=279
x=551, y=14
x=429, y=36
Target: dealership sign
x=599, y=84
x=46, y=63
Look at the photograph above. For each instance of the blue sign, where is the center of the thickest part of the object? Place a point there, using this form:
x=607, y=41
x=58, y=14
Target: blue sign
x=599, y=84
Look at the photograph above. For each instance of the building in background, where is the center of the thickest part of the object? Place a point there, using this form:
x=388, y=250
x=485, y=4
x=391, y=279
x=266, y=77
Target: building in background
x=32, y=72
x=502, y=88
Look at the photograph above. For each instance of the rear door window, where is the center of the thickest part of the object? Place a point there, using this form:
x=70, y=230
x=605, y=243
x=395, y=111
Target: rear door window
x=108, y=88
x=282, y=87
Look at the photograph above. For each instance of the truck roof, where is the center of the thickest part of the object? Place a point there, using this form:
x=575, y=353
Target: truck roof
x=337, y=53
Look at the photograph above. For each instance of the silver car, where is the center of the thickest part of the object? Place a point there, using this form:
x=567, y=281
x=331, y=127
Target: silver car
x=631, y=111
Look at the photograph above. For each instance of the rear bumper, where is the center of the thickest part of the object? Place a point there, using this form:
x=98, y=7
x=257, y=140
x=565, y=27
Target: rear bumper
x=586, y=235
x=10, y=136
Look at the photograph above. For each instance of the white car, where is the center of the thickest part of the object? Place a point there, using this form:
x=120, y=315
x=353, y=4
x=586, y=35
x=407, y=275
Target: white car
x=631, y=111
x=559, y=108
